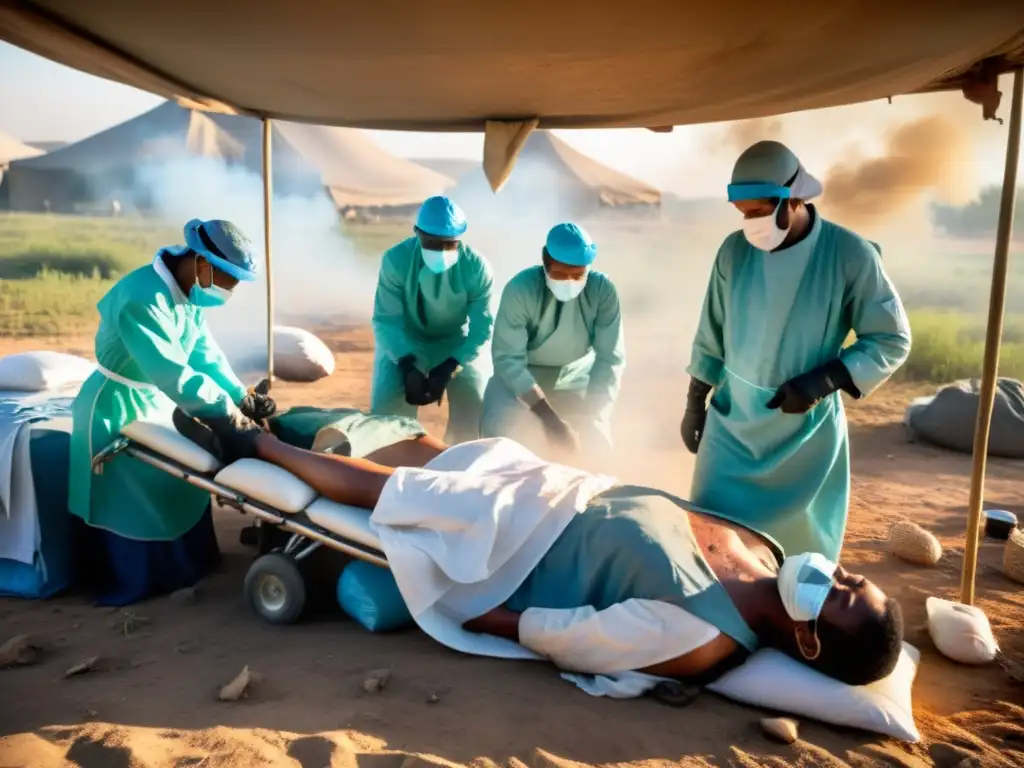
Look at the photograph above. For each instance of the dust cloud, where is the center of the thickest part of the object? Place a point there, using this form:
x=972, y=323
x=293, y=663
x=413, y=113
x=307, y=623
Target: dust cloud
x=922, y=156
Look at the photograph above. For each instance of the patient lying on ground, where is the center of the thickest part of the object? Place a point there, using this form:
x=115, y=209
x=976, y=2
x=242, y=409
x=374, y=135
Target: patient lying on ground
x=696, y=591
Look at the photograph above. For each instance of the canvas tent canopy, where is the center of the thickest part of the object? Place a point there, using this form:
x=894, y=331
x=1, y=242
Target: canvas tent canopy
x=392, y=64
x=355, y=171
x=553, y=177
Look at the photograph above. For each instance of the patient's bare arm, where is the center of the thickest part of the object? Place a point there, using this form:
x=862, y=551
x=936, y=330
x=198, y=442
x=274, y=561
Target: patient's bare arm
x=500, y=622
x=345, y=480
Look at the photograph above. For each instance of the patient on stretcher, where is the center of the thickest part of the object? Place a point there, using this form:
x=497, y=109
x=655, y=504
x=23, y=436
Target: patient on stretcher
x=520, y=546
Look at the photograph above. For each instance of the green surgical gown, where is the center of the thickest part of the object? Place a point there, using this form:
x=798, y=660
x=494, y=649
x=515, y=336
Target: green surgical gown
x=433, y=317
x=574, y=353
x=767, y=318
x=159, y=354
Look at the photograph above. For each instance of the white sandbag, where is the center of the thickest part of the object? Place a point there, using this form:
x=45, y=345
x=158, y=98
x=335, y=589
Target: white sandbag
x=300, y=356
x=960, y=632
x=41, y=371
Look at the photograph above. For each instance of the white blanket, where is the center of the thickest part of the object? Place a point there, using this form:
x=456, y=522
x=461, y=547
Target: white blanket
x=19, y=517
x=464, y=532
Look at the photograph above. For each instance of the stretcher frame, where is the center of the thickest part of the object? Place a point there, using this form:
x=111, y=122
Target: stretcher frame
x=274, y=585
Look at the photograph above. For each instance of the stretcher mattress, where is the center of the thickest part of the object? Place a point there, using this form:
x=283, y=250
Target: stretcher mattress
x=258, y=481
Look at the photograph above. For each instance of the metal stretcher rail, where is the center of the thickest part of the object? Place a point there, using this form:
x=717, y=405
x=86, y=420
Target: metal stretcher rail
x=234, y=499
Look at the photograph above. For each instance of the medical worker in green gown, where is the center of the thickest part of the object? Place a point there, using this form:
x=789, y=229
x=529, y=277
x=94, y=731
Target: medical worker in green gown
x=148, y=531
x=432, y=321
x=785, y=293
x=558, y=351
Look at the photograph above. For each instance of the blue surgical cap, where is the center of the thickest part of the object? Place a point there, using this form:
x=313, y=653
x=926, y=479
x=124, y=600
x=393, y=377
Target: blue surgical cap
x=570, y=244
x=441, y=217
x=223, y=245
x=770, y=169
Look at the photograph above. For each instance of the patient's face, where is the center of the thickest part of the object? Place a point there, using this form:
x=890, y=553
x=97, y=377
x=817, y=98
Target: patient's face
x=853, y=600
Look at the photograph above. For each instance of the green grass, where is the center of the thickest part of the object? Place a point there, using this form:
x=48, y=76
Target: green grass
x=50, y=304
x=951, y=345
x=31, y=244
x=54, y=269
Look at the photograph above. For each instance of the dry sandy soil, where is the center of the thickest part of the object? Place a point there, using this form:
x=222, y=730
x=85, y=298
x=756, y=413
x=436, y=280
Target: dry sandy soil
x=152, y=701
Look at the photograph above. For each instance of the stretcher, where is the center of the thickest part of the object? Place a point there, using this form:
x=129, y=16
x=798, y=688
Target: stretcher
x=274, y=585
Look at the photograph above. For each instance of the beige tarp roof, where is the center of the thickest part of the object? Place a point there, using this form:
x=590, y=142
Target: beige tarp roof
x=452, y=64
x=12, y=149
x=355, y=171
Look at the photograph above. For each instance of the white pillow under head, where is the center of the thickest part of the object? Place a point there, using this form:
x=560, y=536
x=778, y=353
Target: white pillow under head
x=42, y=371
x=772, y=680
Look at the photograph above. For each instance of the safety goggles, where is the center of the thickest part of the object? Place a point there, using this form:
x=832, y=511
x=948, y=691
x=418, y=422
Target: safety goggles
x=757, y=191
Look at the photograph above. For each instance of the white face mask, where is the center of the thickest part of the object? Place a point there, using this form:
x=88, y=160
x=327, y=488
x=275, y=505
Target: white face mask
x=804, y=582
x=763, y=232
x=440, y=261
x=565, y=290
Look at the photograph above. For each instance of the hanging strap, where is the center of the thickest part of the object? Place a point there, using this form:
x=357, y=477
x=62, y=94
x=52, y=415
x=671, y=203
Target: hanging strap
x=142, y=385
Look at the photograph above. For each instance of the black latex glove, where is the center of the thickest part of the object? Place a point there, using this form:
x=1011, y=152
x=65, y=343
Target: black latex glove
x=692, y=428
x=803, y=392
x=417, y=389
x=237, y=435
x=558, y=430
x=229, y=438
x=258, y=406
x=440, y=376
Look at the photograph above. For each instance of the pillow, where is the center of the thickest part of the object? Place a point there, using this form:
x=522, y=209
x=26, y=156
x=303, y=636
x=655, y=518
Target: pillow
x=300, y=356
x=960, y=632
x=370, y=595
x=41, y=371
x=773, y=680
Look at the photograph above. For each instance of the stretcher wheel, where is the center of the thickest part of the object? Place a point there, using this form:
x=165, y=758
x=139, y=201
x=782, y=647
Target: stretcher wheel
x=275, y=589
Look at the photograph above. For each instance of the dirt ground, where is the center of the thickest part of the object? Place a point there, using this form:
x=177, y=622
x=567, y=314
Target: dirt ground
x=152, y=699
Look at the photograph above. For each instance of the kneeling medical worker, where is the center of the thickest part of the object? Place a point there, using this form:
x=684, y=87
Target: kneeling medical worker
x=150, y=531
x=559, y=351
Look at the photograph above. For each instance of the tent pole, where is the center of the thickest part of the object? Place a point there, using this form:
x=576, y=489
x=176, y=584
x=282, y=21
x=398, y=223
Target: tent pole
x=993, y=337
x=268, y=187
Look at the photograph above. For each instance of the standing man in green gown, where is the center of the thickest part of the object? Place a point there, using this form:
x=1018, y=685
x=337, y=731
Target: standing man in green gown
x=785, y=293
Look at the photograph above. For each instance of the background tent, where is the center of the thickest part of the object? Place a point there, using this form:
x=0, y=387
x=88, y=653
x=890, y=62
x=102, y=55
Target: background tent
x=358, y=173
x=103, y=167
x=452, y=167
x=107, y=166
x=12, y=149
x=554, y=181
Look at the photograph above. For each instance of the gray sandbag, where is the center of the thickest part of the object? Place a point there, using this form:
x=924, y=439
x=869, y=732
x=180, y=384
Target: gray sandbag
x=947, y=419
